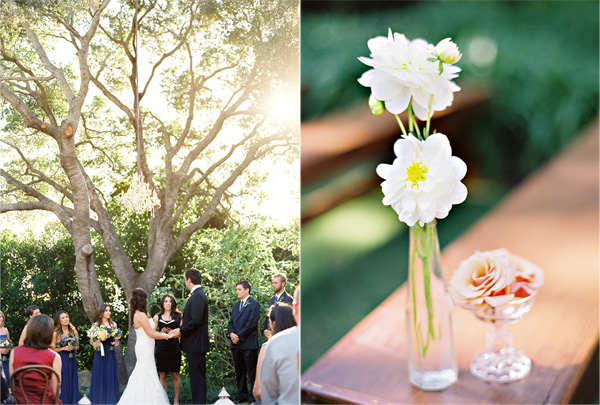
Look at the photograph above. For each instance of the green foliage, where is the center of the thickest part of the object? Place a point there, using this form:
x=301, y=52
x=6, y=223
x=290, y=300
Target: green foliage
x=544, y=78
x=41, y=272
x=225, y=257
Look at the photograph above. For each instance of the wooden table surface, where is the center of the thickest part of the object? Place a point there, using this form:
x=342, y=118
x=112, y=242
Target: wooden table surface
x=552, y=219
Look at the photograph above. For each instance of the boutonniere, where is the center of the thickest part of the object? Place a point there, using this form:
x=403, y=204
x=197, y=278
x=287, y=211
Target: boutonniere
x=280, y=298
x=246, y=303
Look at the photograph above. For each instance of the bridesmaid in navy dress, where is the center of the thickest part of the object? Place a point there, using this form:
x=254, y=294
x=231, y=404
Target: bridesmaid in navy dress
x=168, y=352
x=104, y=388
x=65, y=343
x=4, y=335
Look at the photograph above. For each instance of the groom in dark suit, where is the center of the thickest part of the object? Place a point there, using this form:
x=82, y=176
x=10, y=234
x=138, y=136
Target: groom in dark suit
x=243, y=332
x=278, y=281
x=194, y=335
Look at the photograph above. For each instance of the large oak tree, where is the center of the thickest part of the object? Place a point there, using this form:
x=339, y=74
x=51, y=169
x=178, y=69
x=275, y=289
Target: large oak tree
x=208, y=70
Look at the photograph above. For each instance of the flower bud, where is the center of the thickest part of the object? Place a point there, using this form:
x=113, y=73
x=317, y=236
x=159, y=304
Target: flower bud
x=447, y=51
x=376, y=106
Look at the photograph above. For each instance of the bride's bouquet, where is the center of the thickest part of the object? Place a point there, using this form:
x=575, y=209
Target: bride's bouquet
x=68, y=340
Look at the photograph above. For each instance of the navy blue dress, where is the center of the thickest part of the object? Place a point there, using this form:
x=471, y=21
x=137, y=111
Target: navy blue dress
x=5, y=360
x=104, y=388
x=69, y=382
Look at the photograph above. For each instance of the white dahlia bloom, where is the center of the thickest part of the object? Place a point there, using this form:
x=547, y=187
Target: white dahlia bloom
x=424, y=180
x=405, y=70
x=447, y=51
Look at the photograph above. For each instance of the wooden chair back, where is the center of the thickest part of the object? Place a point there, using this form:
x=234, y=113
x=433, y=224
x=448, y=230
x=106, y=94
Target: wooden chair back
x=17, y=377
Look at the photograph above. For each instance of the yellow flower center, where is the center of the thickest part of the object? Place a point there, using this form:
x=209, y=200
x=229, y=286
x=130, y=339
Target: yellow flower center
x=416, y=173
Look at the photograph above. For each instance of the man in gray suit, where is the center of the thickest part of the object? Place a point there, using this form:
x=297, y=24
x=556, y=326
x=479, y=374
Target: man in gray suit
x=280, y=371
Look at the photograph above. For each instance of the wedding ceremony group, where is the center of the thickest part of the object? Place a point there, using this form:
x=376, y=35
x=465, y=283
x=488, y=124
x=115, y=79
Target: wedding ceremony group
x=269, y=375
x=141, y=140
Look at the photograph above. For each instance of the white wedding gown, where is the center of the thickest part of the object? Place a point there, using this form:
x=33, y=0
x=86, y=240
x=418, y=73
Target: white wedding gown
x=144, y=386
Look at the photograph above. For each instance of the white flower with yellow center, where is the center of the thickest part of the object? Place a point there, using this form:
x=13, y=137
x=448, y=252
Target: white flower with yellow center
x=424, y=180
x=406, y=70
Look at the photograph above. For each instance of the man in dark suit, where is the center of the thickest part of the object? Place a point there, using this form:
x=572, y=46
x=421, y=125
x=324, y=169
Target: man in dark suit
x=243, y=332
x=278, y=281
x=194, y=335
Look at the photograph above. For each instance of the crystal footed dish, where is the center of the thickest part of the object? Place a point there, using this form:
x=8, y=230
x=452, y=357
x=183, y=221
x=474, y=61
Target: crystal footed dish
x=501, y=361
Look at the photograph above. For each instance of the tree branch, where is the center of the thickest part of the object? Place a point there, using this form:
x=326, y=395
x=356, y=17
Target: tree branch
x=43, y=98
x=113, y=98
x=84, y=70
x=31, y=121
x=23, y=79
x=63, y=213
x=39, y=173
x=215, y=200
x=183, y=40
x=50, y=67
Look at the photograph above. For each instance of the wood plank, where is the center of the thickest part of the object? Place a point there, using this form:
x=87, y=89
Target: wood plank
x=340, y=139
x=551, y=219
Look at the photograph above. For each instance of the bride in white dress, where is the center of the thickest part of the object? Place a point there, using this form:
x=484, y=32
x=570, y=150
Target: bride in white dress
x=144, y=386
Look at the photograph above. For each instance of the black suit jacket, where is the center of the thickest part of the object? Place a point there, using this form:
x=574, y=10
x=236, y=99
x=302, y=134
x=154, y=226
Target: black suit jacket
x=244, y=323
x=285, y=297
x=194, y=327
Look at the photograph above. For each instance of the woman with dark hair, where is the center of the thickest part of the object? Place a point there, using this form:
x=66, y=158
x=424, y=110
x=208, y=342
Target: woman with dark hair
x=36, y=351
x=168, y=352
x=143, y=386
x=104, y=388
x=65, y=343
x=30, y=312
x=281, y=317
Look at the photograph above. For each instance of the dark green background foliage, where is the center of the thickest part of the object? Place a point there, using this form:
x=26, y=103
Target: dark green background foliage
x=40, y=271
x=225, y=257
x=544, y=80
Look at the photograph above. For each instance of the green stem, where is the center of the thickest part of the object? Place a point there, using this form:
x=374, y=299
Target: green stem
x=428, y=230
x=411, y=117
x=428, y=117
x=414, y=291
x=401, y=125
x=423, y=247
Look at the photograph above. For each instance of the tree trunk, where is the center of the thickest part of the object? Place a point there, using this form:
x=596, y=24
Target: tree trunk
x=87, y=279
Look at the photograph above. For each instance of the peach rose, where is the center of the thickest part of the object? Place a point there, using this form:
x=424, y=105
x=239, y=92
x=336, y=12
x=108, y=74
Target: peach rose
x=493, y=278
x=529, y=277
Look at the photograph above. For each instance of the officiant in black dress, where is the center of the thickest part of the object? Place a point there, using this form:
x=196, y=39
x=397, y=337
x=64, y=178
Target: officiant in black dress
x=168, y=352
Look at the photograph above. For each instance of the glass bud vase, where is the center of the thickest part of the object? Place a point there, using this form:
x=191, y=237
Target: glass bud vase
x=431, y=358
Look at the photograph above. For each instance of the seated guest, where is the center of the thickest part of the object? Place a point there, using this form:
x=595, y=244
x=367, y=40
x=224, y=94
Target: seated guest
x=280, y=370
x=280, y=317
x=30, y=312
x=36, y=351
